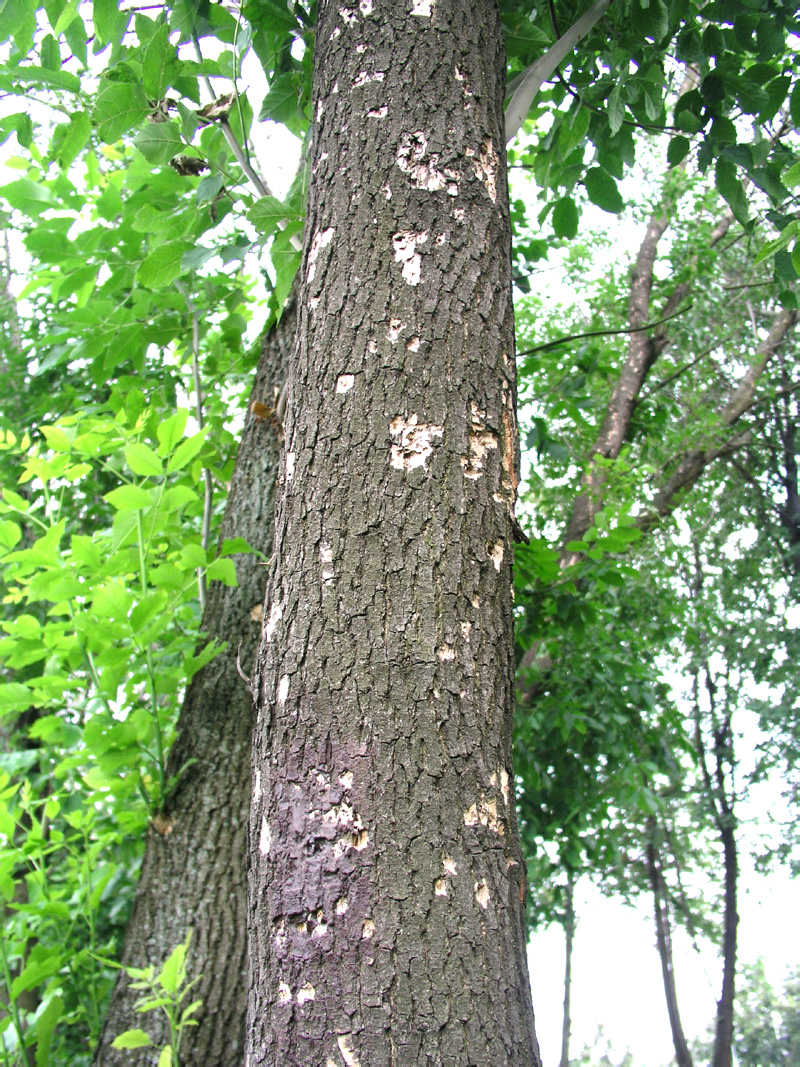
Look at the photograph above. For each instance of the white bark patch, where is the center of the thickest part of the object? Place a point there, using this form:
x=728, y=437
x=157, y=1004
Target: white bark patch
x=459, y=75
x=486, y=168
x=395, y=329
x=440, y=887
x=413, y=345
x=497, y=551
x=306, y=993
x=275, y=616
x=504, y=784
x=257, y=785
x=405, y=252
x=326, y=559
x=360, y=49
x=378, y=113
x=265, y=838
x=445, y=653
x=283, y=690
x=459, y=214
x=466, y=630
x=284, y=993
x=346, y=1049
x=336, y=33
x=387, y=192
x=485, y=813
x=364, y=77
x=423, y=7
x=367, y=929
x=449, y=865
x=423, y=171
x=482, y=893
x=346, y=780
x=322, y=238
x=476, y=602
x=481, y=441
x=290, y=461
x=340, y=815
x=320, y=109
x=359, y=841
x=341, y=906
x=344, y=383
x=440, y=240
x=365, y=7
x=348, y=17
x=413, y=442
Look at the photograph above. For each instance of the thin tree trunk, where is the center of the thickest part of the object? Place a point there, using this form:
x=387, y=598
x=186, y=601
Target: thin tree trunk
x=195, y=866
x=569, y=937
x=664, y=943
x=386, y=884
x=723, y=1043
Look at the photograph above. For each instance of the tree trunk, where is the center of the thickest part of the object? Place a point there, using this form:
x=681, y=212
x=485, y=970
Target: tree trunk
x=569, y=937
x=664, y=943
x=386, y=882
x=195, y=867
x=723, y=1043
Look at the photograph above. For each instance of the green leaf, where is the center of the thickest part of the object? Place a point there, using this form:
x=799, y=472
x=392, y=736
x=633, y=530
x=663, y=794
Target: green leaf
x=131, y=1039
x=286, y=259
x=46, y=79
x=119, y=106
x=173, y=972
x=159, y=142
x=281, y=104
x=602, y=190
x=128, y=498
x=731, y=189
x=186, y=451
x=267, y=214
x=222, y=570
x=14, y=696
x=678, y=149
x=142, y=460
x=28, y=196
x=165, y=1058
x=74, y=136
x=163, y=265
x=616, y=108
x=43, y=1029
x=160, y=64
x=272, y=16
x=565, y=218
x=109, y=22
x=170, y=431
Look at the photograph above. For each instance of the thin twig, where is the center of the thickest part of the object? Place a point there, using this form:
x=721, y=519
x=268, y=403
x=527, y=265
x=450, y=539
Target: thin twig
x=604, y=333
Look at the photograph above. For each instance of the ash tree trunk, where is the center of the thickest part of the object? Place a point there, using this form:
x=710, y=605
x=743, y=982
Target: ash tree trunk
x=194, y=872
x=386, y=880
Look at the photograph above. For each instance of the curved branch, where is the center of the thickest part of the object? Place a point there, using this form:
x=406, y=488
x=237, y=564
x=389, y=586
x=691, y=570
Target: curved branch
x=528, y=84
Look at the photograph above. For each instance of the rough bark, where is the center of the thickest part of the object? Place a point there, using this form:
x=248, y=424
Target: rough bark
x=386, y=888
x=664, y=944
x=195, y=866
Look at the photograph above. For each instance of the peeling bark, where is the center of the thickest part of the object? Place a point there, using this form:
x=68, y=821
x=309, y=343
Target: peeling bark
x=386, y=891
x=195, y=872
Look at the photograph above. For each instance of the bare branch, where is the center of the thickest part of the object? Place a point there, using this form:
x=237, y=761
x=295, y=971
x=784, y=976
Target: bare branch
x=526, y=86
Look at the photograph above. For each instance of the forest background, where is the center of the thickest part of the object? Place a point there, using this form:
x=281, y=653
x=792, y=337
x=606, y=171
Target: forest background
x=147, y=266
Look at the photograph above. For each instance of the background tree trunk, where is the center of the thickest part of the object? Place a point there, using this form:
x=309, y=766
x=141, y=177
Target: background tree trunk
x=655, y=876
x=569, y=938
x=194, y=873
x=386, y=876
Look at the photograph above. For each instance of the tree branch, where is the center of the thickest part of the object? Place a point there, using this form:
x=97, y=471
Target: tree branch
x=526, y=86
